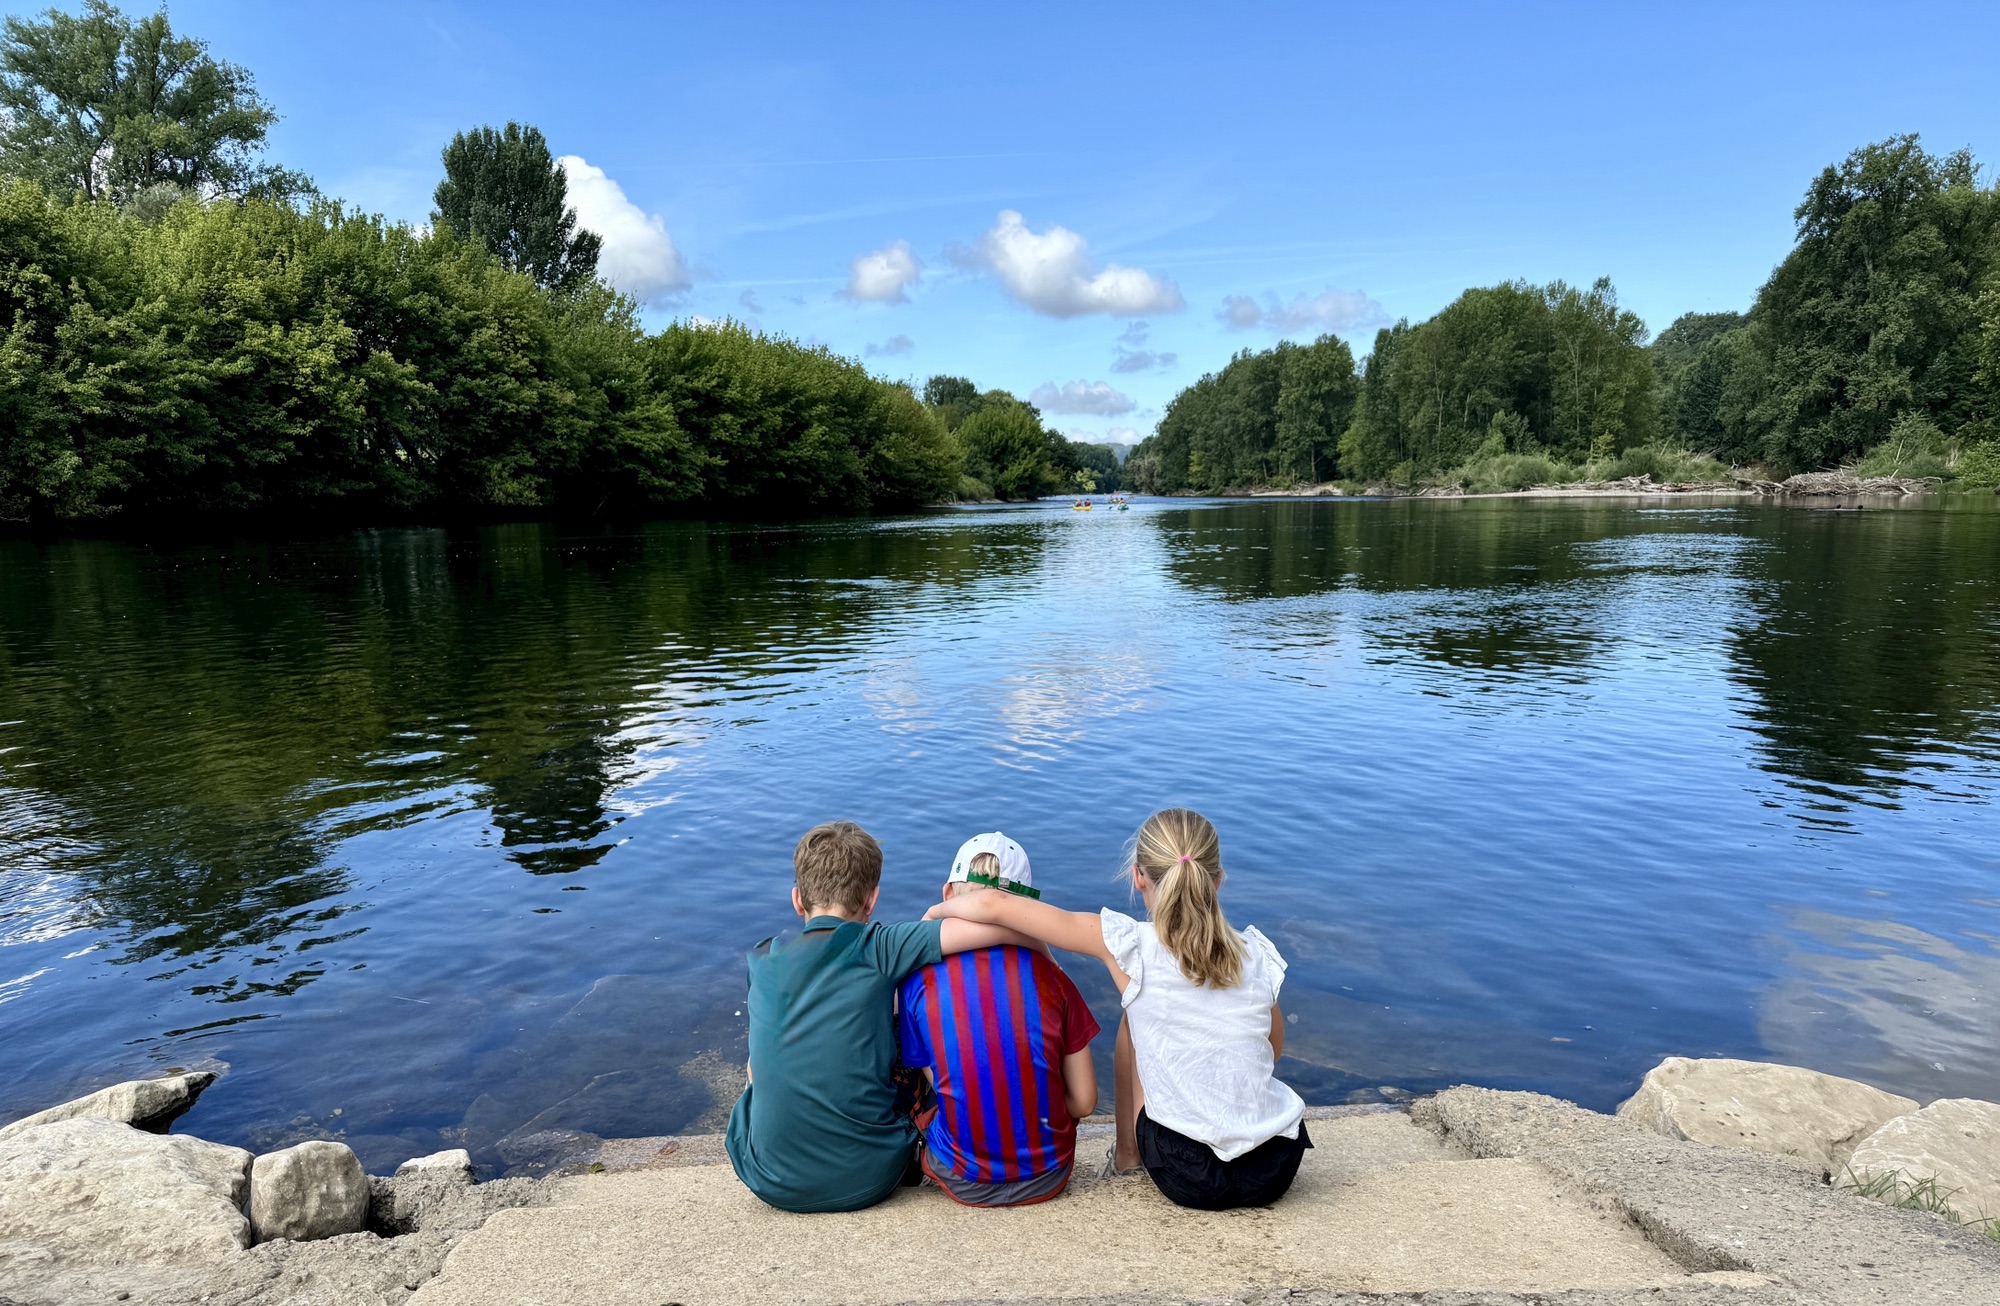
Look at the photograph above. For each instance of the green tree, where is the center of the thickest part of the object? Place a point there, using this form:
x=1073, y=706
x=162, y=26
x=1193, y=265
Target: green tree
x=1006, y=447
x=258, y=357
x=1875, y=311
x=953, y=398
x=504, y=190
x=1316, y=392
x=1568, y=363
x=1710, y=371
x=97, y=104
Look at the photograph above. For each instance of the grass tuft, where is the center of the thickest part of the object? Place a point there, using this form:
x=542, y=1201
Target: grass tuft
x=1910, y=1195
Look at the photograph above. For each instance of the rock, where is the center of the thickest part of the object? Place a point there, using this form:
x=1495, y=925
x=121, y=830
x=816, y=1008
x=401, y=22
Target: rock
x=148, y=1104
x=1954, y=1140
x=455, y=1161
x=89, y=1191
x=545, y=1152
x=1784, y=1110
x=313, y=1190
x=443, y=1201
x=423, y=1187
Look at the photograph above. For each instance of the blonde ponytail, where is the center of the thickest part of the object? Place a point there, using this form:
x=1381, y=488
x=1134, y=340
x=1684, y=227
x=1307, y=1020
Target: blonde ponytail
x=1179, y=852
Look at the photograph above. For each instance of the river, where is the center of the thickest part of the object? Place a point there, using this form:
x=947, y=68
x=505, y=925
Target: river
x=456, y=837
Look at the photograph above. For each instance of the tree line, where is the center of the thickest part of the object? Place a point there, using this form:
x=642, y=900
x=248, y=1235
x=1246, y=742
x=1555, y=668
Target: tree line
x=189, y=329
x=1874, y=345
x=1009, y=453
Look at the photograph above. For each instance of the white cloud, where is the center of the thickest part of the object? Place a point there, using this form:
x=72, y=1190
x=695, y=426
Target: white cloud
x=1097, y=398
x=881, y=276
x=701, y=323
x=891, y=347
x=1339, y=311
x=1051, y=273
x=638, y=256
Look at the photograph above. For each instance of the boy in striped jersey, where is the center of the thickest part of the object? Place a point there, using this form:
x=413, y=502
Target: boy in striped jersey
x=1004, y=1037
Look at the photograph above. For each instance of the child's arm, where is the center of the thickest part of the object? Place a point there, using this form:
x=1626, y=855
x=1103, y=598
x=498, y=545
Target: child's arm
x=1277, y=1033
x=967, y=936
x=1072, y=931
x=1079, y=1084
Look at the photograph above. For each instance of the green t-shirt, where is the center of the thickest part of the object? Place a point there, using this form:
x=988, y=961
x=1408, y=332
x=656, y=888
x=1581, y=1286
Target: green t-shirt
x=817, y=1129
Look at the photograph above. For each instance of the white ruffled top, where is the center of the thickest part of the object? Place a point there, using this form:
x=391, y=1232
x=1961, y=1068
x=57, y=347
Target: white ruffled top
x=1205, y=1053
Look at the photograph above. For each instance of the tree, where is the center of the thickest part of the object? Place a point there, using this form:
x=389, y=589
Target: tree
x=1266, y=418
x=1006, y=447
x=953, y=398
x=1316, y=392
x=1875, y=311
x=97, y=104
x=504, y=190
x=1569, y=364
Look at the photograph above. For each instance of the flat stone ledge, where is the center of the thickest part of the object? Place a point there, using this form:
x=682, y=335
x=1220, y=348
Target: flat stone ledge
x=1718, y=1290
x=1719, y=1208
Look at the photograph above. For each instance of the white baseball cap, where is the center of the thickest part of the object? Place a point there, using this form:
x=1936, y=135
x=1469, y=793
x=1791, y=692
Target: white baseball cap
x=1015, y=877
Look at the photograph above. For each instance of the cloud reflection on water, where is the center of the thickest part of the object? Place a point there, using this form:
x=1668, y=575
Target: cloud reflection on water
x=1887, y=1003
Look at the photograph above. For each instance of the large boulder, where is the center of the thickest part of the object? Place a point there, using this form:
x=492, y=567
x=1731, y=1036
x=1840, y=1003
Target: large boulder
x=89, y=1191
x=1954, y=1140
x=313, y=1190
x=1784, y=1110
x=148, y=1104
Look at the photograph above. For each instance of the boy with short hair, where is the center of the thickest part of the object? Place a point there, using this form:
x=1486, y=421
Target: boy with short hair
x=1005, y=1037
x=817, y=1128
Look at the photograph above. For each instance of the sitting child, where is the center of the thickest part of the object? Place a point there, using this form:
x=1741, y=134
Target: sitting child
x=1005, y=1039
x=1197, y=1102
x=817, y=1127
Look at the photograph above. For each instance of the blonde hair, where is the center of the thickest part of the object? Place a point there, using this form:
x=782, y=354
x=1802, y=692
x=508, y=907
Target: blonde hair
x=837, y=864
x=982, y=864
x=1180, y=854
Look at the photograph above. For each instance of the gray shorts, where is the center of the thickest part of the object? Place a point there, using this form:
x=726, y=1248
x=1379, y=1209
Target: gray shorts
x=1018, y=1192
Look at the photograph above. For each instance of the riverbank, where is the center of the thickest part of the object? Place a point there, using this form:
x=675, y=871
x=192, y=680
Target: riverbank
x=1471, y=1197
x=1804, y=486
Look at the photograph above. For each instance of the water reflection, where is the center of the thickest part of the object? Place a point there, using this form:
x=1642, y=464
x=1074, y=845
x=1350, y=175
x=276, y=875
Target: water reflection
x=214, y=721
x=1874, y=655
x=1888, y=1003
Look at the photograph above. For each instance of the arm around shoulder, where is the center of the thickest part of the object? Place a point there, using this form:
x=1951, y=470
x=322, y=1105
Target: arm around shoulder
x=1072, y=931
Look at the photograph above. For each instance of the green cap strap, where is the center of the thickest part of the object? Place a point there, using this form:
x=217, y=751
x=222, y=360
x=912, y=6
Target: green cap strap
x=995, y=882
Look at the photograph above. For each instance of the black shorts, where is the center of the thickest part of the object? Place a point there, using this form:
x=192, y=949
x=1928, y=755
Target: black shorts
x=1191, y=1174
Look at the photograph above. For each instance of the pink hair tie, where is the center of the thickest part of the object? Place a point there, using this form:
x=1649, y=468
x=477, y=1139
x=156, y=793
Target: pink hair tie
x=1186, y=859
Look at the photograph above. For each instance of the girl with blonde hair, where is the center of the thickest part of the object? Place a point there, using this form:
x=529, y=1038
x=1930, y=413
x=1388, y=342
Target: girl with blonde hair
x=1197, y=1102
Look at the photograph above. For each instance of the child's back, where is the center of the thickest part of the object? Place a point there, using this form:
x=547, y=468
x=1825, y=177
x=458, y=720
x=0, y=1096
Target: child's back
x=994, y=1028
x=817, y=1129
x=1005, y=1038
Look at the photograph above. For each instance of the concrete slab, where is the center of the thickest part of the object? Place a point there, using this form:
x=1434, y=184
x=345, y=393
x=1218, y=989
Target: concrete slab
x=1728, y=1209
x=1380, y=1207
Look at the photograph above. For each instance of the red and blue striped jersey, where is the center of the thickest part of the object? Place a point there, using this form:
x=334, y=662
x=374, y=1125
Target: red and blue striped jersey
x=993, y=1026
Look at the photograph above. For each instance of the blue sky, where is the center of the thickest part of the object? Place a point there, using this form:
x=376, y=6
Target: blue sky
x=1188, y=180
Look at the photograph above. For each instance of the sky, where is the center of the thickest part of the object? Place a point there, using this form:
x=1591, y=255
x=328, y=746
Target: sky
x=1092, y=205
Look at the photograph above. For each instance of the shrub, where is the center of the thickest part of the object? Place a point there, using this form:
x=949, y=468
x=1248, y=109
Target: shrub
x=1915, y=447
x=1979, y=464
x=1666, y=465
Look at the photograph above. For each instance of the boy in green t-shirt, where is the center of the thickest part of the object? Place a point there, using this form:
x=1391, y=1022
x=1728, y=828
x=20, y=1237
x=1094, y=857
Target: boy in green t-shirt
x=817, y=1128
